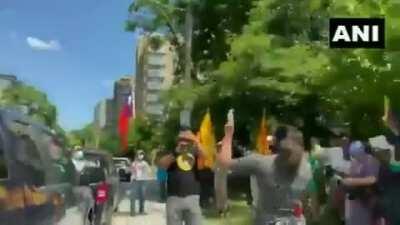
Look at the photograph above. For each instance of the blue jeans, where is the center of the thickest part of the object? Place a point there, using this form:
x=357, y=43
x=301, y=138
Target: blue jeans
x=138, y=192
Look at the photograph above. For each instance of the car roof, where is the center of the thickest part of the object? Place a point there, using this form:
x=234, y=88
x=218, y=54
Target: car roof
x=9, y=115
x=97, y=153
x=121, y=158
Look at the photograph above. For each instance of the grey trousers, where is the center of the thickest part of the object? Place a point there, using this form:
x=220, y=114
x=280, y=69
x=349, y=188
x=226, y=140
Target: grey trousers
x=184, y=210
x=221, y=188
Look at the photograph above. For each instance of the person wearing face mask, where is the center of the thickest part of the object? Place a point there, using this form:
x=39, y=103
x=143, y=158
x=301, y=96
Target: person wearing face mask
x=140, y=174
x=360, y=183
x=183, y=187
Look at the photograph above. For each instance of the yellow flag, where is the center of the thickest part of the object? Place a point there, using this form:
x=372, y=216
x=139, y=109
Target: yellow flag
x=262, y=143
x=207, y=140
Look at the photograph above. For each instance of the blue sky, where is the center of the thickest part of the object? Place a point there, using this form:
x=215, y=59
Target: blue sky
x=71, y=49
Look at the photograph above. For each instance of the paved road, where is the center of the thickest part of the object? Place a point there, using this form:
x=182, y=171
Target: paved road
x=155, y=211
x=155, y=215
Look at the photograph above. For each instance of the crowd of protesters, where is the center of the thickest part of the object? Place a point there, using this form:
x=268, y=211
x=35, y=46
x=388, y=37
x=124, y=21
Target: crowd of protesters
x=342, y=181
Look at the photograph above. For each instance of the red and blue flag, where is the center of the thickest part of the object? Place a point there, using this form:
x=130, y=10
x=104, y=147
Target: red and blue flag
x=126, y=113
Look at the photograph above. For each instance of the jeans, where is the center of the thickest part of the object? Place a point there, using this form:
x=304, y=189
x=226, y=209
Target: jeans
x=163, y=191
x=138, y=192
x=184, y=209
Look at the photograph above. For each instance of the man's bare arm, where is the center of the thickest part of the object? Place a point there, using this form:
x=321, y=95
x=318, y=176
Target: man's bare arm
x=166, y=161
x=225, y=156
x=360, y=182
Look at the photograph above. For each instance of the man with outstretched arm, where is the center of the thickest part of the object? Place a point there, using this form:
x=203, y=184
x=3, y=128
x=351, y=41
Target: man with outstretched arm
x=283, y=179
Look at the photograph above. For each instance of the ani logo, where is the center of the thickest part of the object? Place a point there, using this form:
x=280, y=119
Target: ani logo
x=357, y=33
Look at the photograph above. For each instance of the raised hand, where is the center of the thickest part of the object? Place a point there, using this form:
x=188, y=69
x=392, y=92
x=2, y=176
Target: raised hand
x=229, y=130
x=188, y=135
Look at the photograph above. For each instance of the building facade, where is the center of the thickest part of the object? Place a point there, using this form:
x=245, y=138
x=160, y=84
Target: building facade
x=154, y=74
x=107, y=111
x=104, y=114
x=122, y=89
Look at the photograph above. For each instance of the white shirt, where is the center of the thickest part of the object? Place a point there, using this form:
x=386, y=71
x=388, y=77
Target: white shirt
x=140, y=170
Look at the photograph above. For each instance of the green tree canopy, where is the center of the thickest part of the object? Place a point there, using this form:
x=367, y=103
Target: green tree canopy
x=40, y=108
x=276, y=56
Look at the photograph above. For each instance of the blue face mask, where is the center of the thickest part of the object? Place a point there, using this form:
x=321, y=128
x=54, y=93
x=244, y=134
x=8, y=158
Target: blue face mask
x=357, y=149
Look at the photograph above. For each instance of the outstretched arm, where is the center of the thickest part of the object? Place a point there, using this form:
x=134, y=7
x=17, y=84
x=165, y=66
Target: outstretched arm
x=360, y=182
x=225, y=155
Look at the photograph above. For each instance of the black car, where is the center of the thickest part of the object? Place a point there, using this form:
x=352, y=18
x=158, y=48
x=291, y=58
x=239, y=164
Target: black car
x=38, y=181
x=98, y=172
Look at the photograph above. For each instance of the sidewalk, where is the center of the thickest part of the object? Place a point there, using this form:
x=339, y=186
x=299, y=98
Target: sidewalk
x=155, y=215
x=240, y=215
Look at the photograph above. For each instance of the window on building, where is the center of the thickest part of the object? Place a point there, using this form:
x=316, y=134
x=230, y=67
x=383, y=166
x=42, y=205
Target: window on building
x=156, y=73
x=155, y=109
x=154, y=85
x=156, y=59
x=152, y=98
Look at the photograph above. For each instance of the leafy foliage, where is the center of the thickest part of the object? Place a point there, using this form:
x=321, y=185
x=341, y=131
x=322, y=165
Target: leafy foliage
x=40, y=108
x=109, y=142
x=275, y=54
x=144, y=134
x=84, y=137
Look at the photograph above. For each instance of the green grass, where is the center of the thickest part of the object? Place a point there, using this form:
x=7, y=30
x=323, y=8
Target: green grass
x=239, y=214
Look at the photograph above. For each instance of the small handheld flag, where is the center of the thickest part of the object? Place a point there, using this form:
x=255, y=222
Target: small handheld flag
x=389, y=118
x=262, y=142
x=207, y=140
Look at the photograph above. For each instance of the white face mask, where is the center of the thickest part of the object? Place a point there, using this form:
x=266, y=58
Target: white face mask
x=78, y=155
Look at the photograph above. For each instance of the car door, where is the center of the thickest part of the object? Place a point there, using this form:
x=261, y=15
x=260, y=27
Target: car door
x=69, y=199
x=11, y=192
x=49, y=190
x=114, y=181
x=39, y=208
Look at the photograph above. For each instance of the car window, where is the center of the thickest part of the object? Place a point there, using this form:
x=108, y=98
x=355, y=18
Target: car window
x=92, y=163
x=63, y=170
x=92, y=174
x=29, y=158
x=56, y=151
x=121, y=163
x=3, y=162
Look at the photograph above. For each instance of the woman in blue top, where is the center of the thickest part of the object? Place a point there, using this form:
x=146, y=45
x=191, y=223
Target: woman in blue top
x=162, y=177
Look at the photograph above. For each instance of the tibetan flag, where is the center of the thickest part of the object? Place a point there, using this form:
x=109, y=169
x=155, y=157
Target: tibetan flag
x=200, y=159
x=389, y=117
x=126, y=113
x=391, y=121
x=207, y=140
x=262, y=143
